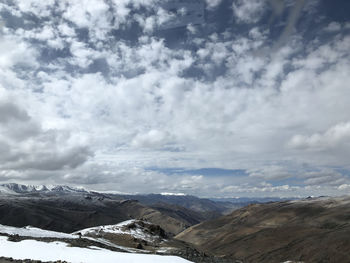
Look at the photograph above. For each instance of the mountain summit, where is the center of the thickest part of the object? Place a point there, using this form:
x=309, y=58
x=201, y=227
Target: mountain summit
x=14, y=189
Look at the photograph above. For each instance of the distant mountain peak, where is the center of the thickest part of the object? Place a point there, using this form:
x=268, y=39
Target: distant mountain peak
x=14, y=188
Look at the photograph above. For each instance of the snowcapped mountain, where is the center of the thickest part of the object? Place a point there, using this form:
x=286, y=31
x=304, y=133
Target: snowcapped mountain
x=15, y=189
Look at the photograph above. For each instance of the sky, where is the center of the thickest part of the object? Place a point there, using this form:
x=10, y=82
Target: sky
x=214, y=98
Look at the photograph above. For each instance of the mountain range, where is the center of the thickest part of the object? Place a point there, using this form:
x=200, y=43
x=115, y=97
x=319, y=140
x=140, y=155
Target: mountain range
x=203, y=230
x=14, y=188
x=67, y=209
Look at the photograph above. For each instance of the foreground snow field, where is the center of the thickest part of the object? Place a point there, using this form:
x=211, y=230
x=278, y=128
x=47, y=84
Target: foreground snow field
x=37, y=250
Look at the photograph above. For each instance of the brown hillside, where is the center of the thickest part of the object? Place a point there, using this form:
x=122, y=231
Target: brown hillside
x=311, y=230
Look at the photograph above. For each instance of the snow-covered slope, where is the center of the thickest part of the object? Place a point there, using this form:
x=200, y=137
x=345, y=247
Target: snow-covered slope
x=29, y=231
x=135, y=228
x=53, y=251
x=6, y=190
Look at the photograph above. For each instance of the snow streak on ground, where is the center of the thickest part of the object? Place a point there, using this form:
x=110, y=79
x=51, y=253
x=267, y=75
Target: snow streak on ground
x=120, y=229
x=36, y=250
x=29, y=231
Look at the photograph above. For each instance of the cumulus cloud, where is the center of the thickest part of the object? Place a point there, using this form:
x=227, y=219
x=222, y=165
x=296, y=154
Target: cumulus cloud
x=26, y=146
x=249, y=11
x=36, y=7
x=129, y=80
x=344, y=187
x=333, y=27
x=151, y=139
x=23, y=55
x=212, y=3
x=335, y=136
x=9, y=111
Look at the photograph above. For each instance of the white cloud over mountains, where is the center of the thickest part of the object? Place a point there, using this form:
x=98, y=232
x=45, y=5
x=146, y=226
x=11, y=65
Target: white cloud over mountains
x=91, y=92
x=26, y=146
x=335, y=137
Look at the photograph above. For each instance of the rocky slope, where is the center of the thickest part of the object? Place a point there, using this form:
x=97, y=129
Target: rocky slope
x=74, y=211
x=67, y=209
x=187, y=201
x=311, y=230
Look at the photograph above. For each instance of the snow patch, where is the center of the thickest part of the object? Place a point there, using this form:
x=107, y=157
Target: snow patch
x=29, y=231
x=137, y=231
x=53, y=251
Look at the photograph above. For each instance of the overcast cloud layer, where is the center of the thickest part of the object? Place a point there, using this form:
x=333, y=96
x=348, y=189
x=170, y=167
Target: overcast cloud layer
x=212, y=98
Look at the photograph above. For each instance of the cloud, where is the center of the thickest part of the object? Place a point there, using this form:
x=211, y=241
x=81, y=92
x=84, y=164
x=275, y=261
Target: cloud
x=277, y=6
x=264, y=189
x=290, y=28
x=211, y=4
x=338, y=135
x=26, y=146
x=175, y=14
x=333, y=27
x=92, y=96
x=344, y=187
x=23, y=55
x=270, y=173
x=36, y=7
x=87, y=13
x=151, y=139
x=248, y=11
x=9, y=111
x=325, y=177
